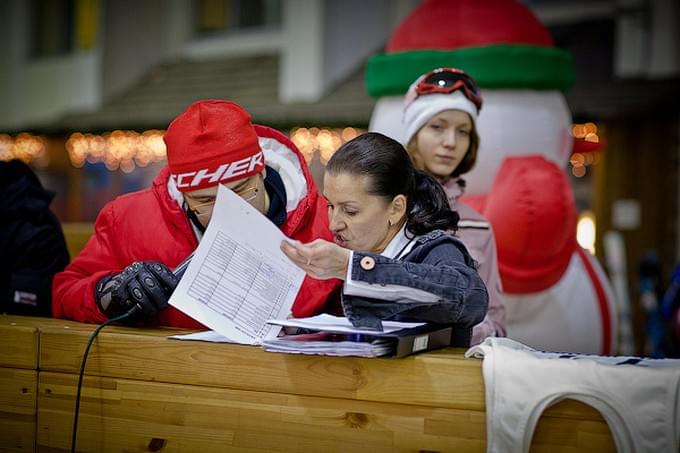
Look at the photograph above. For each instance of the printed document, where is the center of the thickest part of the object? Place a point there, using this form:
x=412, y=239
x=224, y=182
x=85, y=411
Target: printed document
x=340, y=324
x=333, y=335
x=323, y=322
x=238, y=278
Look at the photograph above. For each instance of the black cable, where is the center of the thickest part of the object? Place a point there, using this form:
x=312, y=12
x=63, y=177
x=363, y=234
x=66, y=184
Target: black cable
x=82, y=370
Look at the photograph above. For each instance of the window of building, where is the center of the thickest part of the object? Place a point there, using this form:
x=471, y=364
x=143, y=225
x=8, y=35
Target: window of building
x=219, y=16
x=52, y=26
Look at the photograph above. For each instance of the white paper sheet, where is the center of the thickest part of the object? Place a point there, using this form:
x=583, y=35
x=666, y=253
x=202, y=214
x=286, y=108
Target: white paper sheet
x=239, y=278
x=323, y=322
x=304, y=344
x=340, y=324
x=209, y=335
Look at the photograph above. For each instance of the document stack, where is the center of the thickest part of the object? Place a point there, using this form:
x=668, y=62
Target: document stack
x=335, y=336
x=332, y=344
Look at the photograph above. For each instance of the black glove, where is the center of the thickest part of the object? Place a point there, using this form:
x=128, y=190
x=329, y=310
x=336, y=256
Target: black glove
x=146, y=285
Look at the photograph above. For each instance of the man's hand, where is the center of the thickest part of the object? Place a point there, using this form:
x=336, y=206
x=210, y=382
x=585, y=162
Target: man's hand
x=145, y=285
x=319, y=259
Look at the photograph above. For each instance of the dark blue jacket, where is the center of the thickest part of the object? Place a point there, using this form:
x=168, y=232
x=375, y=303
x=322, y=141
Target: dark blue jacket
x=438, y=264
x=32, y=245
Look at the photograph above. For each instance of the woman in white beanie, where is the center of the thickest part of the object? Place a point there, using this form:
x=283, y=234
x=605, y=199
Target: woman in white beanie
x=440, y=112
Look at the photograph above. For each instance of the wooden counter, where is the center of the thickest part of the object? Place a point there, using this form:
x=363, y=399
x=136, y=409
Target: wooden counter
x=144, y=392
x=19, y=352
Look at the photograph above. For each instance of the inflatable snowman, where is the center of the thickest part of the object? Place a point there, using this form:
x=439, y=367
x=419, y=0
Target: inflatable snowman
x=556, y=295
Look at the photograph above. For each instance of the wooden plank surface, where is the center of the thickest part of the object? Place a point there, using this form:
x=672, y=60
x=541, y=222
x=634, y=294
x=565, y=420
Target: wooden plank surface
x=38, y=322
x=572, y=435
x=19, y=339
x=439, y=378
x=18, y=395
x=19, y=347
x=444, y=379
x=18, y=343
x=127, y=415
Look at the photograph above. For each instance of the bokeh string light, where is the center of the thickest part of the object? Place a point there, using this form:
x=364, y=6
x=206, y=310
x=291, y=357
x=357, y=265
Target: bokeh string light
x=586, y=153
x=25, y=147
x=324, y=141
x=124, y=150
x=127, y=150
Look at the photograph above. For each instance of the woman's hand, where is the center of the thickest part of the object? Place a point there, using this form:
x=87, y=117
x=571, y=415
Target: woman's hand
x=319, y=259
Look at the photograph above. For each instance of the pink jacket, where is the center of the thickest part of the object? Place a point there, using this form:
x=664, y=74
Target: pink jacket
x=477, y=235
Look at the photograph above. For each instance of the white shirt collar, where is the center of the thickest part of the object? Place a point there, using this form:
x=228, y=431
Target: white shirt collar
x=400, y=244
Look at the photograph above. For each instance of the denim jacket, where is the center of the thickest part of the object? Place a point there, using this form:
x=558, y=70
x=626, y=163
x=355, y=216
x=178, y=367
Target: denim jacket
x=435, y=282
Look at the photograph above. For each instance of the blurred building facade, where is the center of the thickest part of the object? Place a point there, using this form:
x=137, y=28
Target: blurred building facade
x=89, y=85
x=69, y=57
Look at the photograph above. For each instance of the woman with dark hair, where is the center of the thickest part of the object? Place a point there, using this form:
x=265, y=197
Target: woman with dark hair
x=440, y=115
x=390, y=246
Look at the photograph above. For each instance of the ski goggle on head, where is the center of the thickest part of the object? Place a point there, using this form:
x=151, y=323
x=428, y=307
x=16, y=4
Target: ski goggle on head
x=446, y=80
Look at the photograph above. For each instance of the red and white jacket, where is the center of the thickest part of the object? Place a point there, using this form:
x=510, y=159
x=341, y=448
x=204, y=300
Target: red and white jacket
x=150, y=225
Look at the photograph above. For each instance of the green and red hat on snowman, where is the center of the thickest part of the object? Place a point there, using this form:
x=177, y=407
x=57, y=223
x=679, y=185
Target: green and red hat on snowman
x=495, y=52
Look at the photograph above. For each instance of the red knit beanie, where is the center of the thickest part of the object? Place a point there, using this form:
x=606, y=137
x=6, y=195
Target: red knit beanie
x=210, y=143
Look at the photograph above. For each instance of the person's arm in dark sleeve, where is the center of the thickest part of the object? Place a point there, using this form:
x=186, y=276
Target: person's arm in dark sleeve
x=37, y=253
x=443, y=288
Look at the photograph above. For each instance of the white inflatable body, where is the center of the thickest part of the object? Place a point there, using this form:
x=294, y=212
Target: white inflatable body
x=578, y=313
x=569, y=316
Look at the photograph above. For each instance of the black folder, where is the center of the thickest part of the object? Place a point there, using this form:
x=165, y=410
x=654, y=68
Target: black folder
x=399, y=343
x=420, y=339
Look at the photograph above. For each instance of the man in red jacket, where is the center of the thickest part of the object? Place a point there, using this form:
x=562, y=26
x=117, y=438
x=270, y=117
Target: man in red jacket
x=140, y=237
